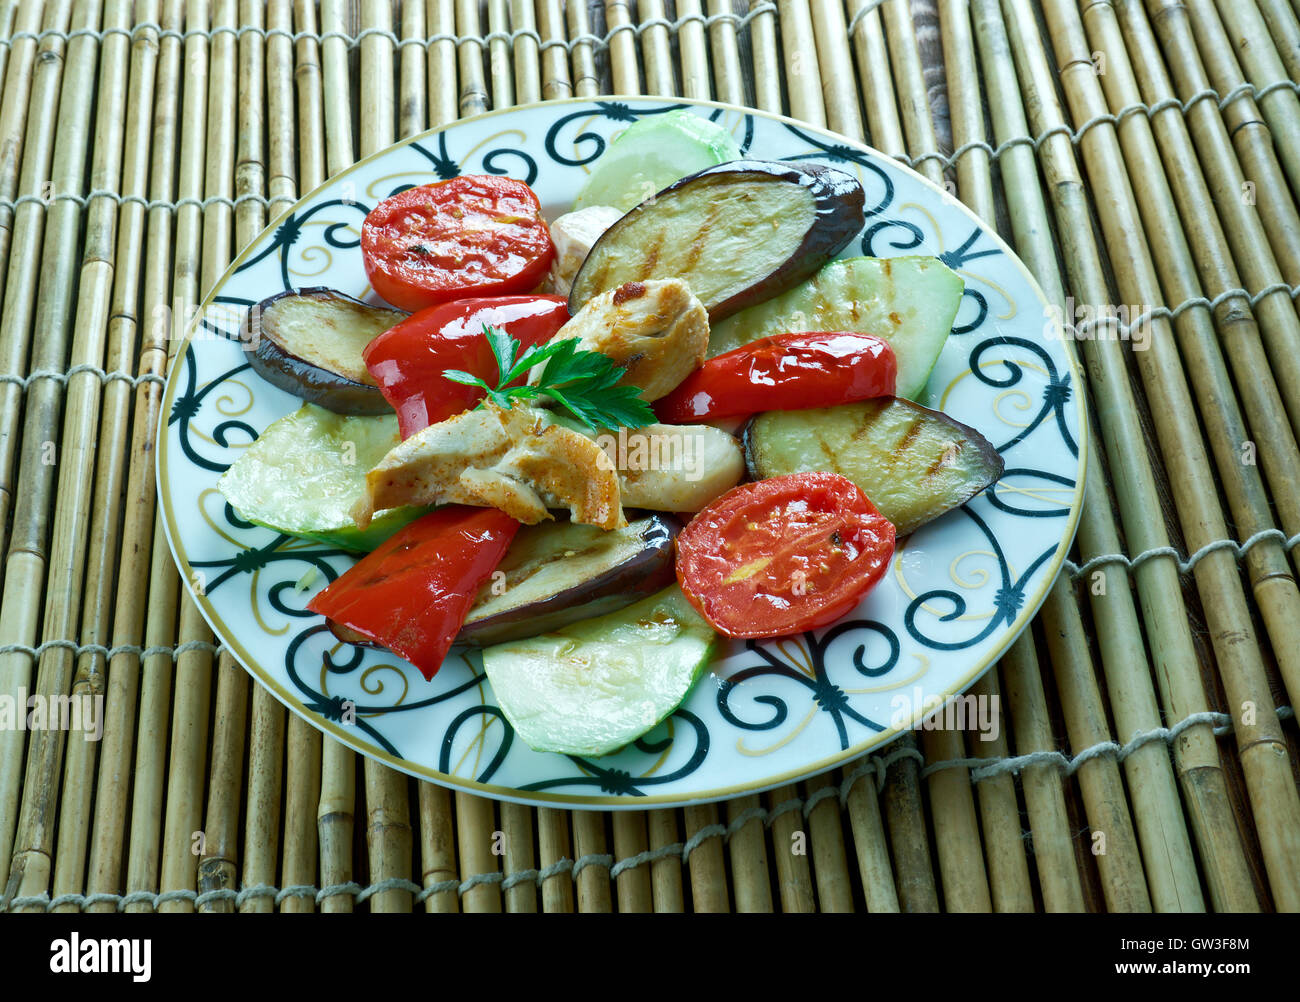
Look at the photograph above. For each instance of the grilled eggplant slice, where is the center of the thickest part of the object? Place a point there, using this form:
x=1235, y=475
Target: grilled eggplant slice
x=912, y=462
x=559, y=573
x=737, y=234
x=308, y=342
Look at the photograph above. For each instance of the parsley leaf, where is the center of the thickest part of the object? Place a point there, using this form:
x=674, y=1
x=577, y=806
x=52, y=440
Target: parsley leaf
x=582, y=382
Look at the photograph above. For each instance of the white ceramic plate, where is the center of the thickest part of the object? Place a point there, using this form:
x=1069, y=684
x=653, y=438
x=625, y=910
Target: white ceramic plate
x=958, y=593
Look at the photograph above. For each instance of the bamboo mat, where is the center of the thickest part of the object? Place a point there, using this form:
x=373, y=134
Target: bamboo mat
x=1131, y=153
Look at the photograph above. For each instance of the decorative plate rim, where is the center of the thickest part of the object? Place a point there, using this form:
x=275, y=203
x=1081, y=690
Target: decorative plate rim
x=878, y=739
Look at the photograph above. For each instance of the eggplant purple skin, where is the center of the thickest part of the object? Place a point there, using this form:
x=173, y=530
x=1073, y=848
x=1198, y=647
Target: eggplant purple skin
x=645, y=573
x=312, y=383
x=839, y=216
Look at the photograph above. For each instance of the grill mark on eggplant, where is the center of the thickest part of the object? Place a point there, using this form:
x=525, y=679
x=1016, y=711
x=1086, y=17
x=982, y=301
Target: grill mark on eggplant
x=701, y=237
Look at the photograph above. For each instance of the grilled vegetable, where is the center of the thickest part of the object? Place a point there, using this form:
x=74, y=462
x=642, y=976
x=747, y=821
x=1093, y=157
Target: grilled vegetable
x=783, y=555
x=409, y=360
x=784, y=372
x=737, y=234
x=559, y=573
x=306, y=471
x=908, y=301
x=308, y=342
x=653, y=153
x=590, y=688
x=657, y=331
x=472, y=235
x=914, y=463
x=412, y=593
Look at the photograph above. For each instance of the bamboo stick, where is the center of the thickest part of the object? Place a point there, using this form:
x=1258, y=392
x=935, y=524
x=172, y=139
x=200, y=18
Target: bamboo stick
x=974, y=178
x=143, y=871
x=338, y=91
x=503, y=87
x=335, y=821
x=708, y=870
x=839, y=90
x=517, y=825
x=1273, y=587
x=1114, y=844
x=633, y=884
x=593, y=881
x=767, y=66
x=18, y=76
x=1261, y=747
x=555, y=62
x=1210, y=52
x=469, y=53
x=1043, y=784
x=585, y=81
x=956, y=830
x=656, y=52
x=40, y=450
x=523, y=18
x=1004, y=845
x=442, y=58
x=622, y=48
x=1284, y=26
x=553, y=847
x=830, y=864
x=875, y=81
x=281, y=180
x=8, y=11
x=724, y=43
x=909, y=83
x=874, y=871
x=666, y=871
x=139, y=255
x=302, y=778
x=119, y=135
x=476, y=837
x=411, y=101
x=438, y=847
x=1245, y=227
x=694, y=53
x=18, y=617
x=802, y=70
x=1249, y=36
x=218, y=864
x=790, y=850
x=309, y=78
x=747, y=853
x=1159, y=589
x=905, y=818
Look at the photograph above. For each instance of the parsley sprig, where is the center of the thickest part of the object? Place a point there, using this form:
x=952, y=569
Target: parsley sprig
x=580, y=381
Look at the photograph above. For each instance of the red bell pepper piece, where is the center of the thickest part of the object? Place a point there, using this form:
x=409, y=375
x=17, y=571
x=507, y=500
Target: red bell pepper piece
x=413, y=592
x=408, y=360
x=784, y=372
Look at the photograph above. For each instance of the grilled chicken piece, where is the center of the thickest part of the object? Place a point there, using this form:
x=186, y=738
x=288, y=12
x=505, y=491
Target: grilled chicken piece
x=514, y=460
x=574, y=234
x=655, y=329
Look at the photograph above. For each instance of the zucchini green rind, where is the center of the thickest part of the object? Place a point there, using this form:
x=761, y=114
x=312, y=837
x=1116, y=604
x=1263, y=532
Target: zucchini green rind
x=908, y=301
x=305, y=472
x=595, y=686
x=653, y=153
